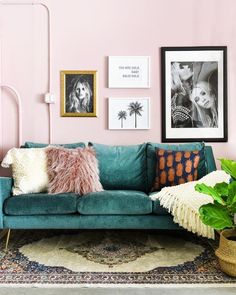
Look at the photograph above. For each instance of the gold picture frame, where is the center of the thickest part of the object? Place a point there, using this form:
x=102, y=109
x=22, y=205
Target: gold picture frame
x=78, y=93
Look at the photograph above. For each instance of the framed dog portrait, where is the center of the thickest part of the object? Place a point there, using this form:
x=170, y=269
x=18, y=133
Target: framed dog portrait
x=194, y=94
x=78, y=93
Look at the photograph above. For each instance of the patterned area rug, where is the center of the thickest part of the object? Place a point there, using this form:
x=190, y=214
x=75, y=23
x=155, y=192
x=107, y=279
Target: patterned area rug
x=110, y=257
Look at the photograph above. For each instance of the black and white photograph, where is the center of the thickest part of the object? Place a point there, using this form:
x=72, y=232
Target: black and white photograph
x=129, y=113
x=194, y=94
x=78, y=93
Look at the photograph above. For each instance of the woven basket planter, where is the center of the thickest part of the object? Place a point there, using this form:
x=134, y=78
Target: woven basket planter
x=227, y=252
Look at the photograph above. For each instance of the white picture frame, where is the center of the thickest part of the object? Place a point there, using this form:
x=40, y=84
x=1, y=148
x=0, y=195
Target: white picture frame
x=129, y=113
x=129, y=71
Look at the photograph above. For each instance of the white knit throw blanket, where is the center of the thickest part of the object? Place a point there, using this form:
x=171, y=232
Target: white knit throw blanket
x=183, y=202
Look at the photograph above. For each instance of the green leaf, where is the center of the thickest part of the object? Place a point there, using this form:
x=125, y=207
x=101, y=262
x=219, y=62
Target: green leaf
x=215, y=217
x=222, y=207
x=232, y=194
x=208, y=190
x=222, y=188
x=229, y=166
x=233, y=208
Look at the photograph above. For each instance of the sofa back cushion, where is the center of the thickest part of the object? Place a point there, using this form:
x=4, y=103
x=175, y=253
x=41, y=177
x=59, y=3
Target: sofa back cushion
x=210, y=160
x=29, y=144
x=122, y=167
x=151, y=158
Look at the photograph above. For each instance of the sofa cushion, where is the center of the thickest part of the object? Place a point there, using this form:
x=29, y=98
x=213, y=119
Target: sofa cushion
x=38, y=204
x=151, y=157
x=120, y=202
x=157, y=208
x=29, y=144
x=122, y=167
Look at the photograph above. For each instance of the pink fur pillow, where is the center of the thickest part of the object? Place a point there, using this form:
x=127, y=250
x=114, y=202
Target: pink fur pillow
x=72, y=170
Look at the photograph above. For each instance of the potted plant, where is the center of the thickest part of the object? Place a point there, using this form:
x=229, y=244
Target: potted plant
x=221, y=216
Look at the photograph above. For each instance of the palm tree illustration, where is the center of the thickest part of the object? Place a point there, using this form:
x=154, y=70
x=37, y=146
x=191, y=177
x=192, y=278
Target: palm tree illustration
x=122, y=116
x=135, y=108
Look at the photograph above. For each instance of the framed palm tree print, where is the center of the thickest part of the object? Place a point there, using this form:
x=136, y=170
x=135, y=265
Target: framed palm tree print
x=129, y=113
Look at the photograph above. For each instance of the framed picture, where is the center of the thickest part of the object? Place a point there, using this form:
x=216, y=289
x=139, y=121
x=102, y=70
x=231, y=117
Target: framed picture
x=129, y=72
x=78, y=93
x=129, y=113
x=194, y=94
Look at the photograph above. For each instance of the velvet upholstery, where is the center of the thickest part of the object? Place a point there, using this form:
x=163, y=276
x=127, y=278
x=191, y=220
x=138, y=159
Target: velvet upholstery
x=76, y=221
x=122, y=202
x=210, y=161
x=130, y=173
x=38, y=204
x=29, y=144
x=122, y=167
x=157, y=208
x=151, y=158
x=6, y=184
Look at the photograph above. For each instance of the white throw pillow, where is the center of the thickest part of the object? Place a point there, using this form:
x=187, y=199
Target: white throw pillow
x=29, y=170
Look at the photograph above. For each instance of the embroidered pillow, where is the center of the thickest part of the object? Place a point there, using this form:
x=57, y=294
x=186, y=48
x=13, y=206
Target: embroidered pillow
x=29, y=170
x=175, y=167
x=72, y=170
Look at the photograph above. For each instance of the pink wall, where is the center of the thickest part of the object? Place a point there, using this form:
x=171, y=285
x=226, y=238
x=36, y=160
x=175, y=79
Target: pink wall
x=84, y=33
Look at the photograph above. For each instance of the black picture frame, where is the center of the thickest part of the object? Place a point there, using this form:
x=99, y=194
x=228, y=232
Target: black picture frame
x=194, y=94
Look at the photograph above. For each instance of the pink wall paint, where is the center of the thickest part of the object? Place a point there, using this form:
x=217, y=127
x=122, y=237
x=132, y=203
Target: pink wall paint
x=84, y=33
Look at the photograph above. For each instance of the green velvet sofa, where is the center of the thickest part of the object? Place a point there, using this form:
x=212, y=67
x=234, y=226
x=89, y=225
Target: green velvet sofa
x=126, y=173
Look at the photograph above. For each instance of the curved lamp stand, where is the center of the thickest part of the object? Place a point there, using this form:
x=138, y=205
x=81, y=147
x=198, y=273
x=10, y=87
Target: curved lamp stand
x=18, y=101
x=49, y=94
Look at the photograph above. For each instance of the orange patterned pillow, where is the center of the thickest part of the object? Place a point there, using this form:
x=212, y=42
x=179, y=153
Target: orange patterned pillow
x=175, y=167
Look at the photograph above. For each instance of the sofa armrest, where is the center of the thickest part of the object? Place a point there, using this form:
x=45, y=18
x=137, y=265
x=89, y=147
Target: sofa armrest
x=5, y=192
x=210, y=160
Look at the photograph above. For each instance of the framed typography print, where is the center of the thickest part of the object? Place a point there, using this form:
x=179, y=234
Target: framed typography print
x=129, y=113
x=78, y=93
x=129, y=72
x=194, y=94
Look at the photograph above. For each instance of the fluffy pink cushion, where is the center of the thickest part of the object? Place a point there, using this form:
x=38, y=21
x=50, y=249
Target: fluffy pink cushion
x=72, y=170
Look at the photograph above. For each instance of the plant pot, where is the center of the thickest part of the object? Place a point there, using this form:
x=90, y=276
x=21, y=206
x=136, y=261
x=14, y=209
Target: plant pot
x=227, y=252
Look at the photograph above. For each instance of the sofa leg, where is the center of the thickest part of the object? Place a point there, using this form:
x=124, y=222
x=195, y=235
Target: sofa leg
x=7, y=240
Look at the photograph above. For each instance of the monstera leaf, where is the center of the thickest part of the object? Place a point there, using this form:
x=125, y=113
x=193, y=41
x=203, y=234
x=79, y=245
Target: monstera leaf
x=215, y=216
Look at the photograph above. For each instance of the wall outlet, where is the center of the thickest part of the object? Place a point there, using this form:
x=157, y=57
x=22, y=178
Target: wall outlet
x=49, y=98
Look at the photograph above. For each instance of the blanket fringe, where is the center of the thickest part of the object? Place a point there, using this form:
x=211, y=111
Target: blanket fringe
x=184, y=215
x=183, y=202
